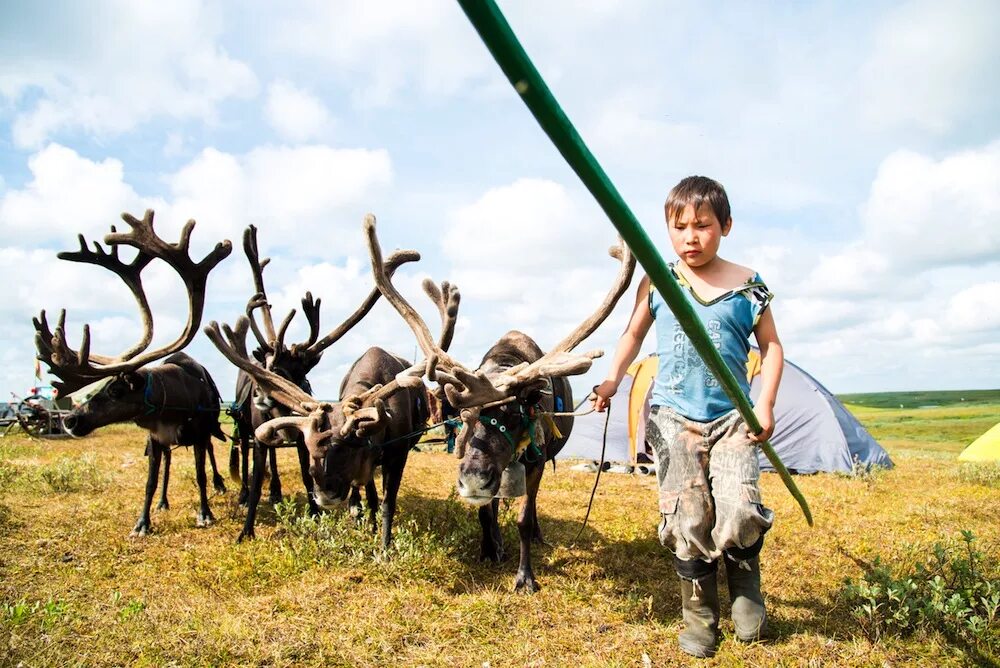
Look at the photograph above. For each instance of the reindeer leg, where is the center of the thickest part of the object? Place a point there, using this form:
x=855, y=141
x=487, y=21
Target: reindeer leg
x=276, y=496
x=205, y=517
x=526, y=523
x=142, y=527
x=217, y=482
x=245, y=448
x=392, y=476
x=492, y=546
x=354, y=505
x=371, y=498
x=536, y=533
x=306, y=477
x=164, y=504
x=256, y=486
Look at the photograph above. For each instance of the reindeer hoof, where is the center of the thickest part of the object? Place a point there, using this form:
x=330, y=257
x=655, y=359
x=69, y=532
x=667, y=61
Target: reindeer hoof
x=275, y=499
x=141, y=529
x=220, y=486
x=246, y=535
x=205, y=520
x=163, y=505
x=496, y=556
x=526, y=584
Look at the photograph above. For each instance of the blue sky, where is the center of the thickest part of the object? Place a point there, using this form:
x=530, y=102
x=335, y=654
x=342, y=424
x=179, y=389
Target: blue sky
x=859, y=143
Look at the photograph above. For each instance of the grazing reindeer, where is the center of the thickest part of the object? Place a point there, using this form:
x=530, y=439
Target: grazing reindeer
x=177, y=401
x=502, y=406
x=377, y=420
x=255, y=406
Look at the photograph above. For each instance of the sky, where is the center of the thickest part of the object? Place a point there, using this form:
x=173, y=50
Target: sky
x=859, y=144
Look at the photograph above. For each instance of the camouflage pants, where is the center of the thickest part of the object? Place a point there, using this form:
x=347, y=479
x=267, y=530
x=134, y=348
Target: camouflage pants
x=708, y=478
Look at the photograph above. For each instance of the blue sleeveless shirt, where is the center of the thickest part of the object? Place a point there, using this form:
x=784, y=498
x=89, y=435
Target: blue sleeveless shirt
x=683, y=381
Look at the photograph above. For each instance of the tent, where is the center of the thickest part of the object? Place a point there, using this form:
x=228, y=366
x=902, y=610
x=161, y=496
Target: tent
x=813, y=432
x=986, y=448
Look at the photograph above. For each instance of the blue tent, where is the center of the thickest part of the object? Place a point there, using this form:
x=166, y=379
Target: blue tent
x=813, y=430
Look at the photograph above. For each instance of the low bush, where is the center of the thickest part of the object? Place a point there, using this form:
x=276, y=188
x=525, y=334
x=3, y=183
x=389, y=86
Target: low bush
x=953, y=591
x=74, y=474
x=987, y=474
x=47, y=613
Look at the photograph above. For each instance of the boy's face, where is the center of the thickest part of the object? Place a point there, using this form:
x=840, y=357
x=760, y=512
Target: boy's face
x=696, y=234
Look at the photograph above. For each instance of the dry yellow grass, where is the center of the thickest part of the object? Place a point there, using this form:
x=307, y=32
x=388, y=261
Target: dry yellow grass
x=76, y=590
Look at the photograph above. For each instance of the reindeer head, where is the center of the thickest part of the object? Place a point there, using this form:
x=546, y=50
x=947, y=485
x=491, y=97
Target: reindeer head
x=121, y=398
x=499, y=402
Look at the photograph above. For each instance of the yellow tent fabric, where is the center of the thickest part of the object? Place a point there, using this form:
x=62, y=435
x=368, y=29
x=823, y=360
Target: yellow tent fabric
x=986, y=448
x=643, y=372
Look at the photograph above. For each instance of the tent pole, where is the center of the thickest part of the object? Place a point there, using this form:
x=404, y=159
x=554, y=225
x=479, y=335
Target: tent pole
x=499, y=38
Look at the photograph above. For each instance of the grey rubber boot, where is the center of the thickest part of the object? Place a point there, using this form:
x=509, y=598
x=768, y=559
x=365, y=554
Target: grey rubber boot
x=749, y=616
x=700, y=601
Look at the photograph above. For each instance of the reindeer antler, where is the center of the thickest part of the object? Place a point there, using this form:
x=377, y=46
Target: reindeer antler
x=78, y=368
x=447, y=299
x=397, y=259
x=312, y=348
x=560, y=361
x=465, y=388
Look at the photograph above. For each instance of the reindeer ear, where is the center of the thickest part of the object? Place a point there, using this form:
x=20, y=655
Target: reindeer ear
x=135, y=381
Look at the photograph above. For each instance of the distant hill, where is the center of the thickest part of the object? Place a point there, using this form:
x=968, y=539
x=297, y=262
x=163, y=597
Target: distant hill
x=921, y=399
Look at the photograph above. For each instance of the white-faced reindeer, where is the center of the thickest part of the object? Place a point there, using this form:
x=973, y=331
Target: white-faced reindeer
x=255, y=406
x=503, y=405
x=177, y=401
x=378, y=419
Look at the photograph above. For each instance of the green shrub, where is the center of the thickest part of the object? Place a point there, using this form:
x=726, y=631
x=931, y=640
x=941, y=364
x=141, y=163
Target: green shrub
x=952, y=591
x=863, y=472
x=47, y=613
x=986, y=474
x=74, y=474
x=8, y=472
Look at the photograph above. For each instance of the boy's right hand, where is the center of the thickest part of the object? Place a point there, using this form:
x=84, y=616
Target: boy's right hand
x=601, y=396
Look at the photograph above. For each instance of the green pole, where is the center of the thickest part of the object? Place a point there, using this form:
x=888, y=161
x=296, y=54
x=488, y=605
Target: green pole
x=496, y=33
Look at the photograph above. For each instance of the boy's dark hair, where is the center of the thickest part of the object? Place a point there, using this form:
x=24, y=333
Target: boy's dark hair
x=698, y=190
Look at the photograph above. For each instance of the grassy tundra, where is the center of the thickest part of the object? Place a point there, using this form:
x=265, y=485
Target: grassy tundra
x=76, y=590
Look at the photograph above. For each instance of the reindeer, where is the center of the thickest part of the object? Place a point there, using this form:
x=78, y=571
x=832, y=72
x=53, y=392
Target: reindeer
x=254, y=406
x=378, y=419
x=505, y=407
x=177, y=401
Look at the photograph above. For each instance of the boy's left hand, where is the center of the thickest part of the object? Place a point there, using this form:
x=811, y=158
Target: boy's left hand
x=765, y=416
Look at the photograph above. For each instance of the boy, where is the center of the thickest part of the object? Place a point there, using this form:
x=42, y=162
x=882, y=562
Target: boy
x=707, y=467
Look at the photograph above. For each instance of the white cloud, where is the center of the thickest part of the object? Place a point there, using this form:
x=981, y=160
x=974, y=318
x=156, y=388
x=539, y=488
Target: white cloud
x=929, y=60
x=296, y=114
x=521, y=230
x=425, y=45
x=120, y=65
x=67, y=194
x=310, y=197
x=923, y=212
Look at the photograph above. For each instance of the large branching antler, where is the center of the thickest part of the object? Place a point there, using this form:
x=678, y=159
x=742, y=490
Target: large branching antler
x=465, y=388
x=560, y=360
x=397, y=259
x=271, y=340
x=77, y=368
x=362, y=413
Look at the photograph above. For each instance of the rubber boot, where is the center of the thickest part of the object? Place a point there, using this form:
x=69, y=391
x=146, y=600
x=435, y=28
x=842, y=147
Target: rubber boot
x=749, y=616
x=700, y=601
